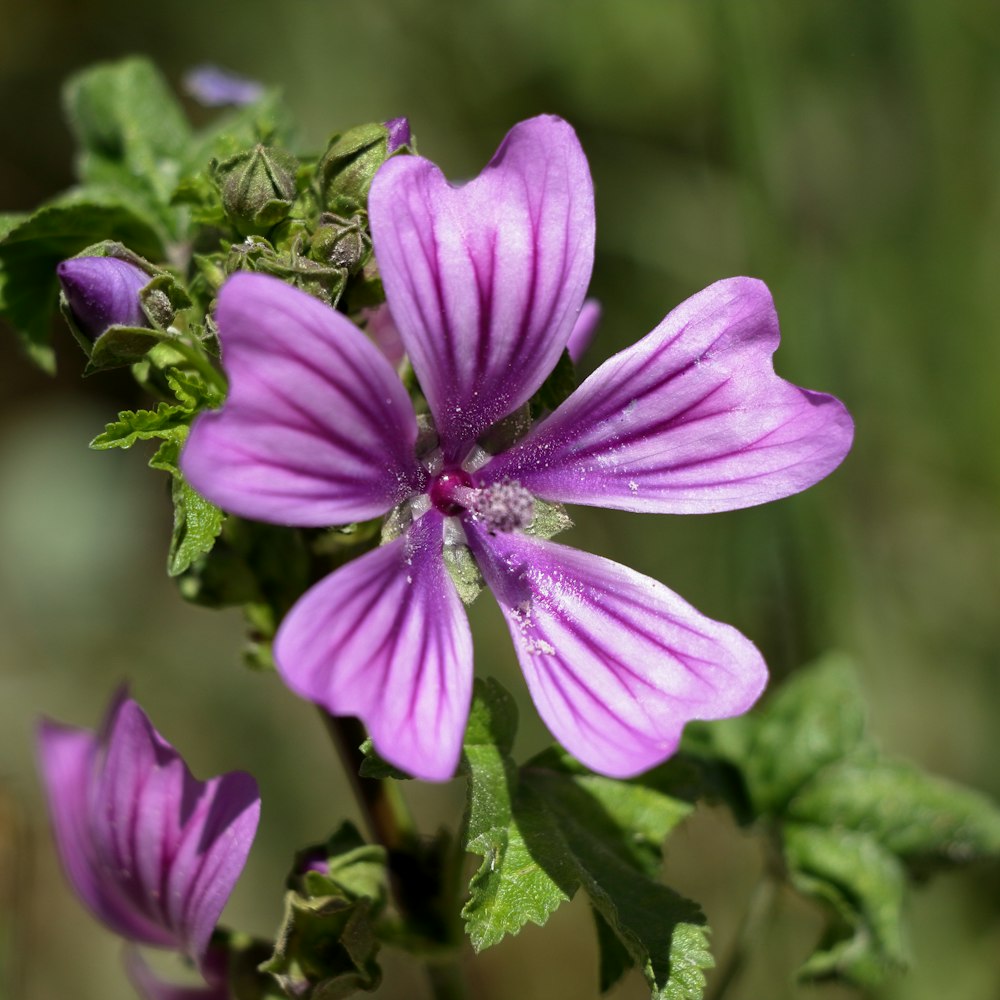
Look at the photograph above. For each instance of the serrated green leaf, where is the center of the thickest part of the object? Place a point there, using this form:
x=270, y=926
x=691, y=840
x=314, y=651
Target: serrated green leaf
x=130, y=129
x=31, y=249
x=168, y=420
x=197, y=522
x=919, y=817
x=862, y=884
x=817, y=717
x=552, y=827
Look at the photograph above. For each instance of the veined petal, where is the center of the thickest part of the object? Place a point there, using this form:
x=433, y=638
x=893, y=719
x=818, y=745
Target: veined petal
x=317, y=428
x=584, y=329
x=691, y=419
x=386, y=638
x=67, y=757
x=485, y=280
x=151, y=850
x=616, y=663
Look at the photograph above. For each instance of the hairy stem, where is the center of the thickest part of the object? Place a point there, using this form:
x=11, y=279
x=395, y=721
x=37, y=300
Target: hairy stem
x=386, y=814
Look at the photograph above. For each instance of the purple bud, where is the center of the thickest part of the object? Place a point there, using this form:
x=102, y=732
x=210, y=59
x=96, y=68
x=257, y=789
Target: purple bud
x=216, y=88
x=103, y=292
x=151, y=851
x=399, y=133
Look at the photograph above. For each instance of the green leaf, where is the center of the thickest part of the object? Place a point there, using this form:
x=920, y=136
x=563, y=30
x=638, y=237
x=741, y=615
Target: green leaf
x=862, y=885
x=119, y=346
x=197, y=522
x=30, y=251
x=167, y=421
x=552, y=827
x=924, y=819
x=817, y=717
x=130, y=128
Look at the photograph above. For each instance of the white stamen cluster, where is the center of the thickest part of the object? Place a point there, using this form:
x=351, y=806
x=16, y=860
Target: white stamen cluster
x=504, y=506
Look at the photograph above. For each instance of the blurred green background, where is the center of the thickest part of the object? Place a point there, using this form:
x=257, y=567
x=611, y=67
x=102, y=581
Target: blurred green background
x=847, y=152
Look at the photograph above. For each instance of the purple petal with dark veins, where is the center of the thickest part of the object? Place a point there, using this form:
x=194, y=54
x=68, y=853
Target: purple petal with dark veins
x=691, y=419
x=317, y=429
x=485, y=280
x=616, y=663
x=154, y=852
x=103, y=292
x=386, y=638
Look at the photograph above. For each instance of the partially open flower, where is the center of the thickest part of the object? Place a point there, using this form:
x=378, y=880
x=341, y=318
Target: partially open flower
x=103, y=292
x=399, y=133
x=151, y=851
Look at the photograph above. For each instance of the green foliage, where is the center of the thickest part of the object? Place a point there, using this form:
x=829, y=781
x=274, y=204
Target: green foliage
x=197, y=522
x=549, y=828
x=557, y=387
x=851, y=823
x=130, y=129
x=31, y=249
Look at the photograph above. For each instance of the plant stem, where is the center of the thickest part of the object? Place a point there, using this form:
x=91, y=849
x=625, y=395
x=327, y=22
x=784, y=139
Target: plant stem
x=445, y=979
x=386, y=814
x=757, y=909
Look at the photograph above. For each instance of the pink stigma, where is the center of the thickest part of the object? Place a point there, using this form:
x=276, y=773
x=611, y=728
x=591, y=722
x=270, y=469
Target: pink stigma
x=448, y=491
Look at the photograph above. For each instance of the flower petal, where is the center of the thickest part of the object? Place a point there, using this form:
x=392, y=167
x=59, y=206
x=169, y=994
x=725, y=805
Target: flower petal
x=67, y=758
x=175, y=845
x=386, y=638
x=485, y=280
x=691, y=419
x=584, y=329
x=317, y=428
x=150, y=987
x=616, y=663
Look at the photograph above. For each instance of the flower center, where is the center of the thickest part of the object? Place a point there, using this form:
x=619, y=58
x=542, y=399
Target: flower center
x=451, y=491
x=504, y=506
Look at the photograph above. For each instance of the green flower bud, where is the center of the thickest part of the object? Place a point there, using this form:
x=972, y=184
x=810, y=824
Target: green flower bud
x=341, y=242
x=346, y=169
x=257, y=187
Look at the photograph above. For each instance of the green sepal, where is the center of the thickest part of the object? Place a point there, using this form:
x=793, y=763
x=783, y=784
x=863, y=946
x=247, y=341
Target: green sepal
x=30, y=251
x=341, y=242
x=548, y=519
x=345, y=170
x=374, y=765
x=356, y=869
x=556, y=388
x=464, y=572
x=551, y=827
x=325, y=948
x=257, y=187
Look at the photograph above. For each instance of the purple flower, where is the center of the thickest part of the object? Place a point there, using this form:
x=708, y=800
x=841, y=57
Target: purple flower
x=399, y=133
x=153, y=853
x=216, y=88
x=485, y=283
x=103, y=292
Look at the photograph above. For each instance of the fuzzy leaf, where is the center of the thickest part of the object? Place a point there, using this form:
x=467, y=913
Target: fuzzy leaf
x=130, y=128
x=923, y=819
x=553, y=827
x=862, y=885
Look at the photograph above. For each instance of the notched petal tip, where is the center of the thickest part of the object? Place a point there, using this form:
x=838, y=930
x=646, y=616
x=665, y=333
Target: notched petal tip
x=691, y=419
x=485, y=280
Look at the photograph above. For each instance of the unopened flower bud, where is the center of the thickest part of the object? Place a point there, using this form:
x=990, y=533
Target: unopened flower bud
x=257, y=187
x=350, y=162
x=103, y=292
x=341, y=242
x=399, y=133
